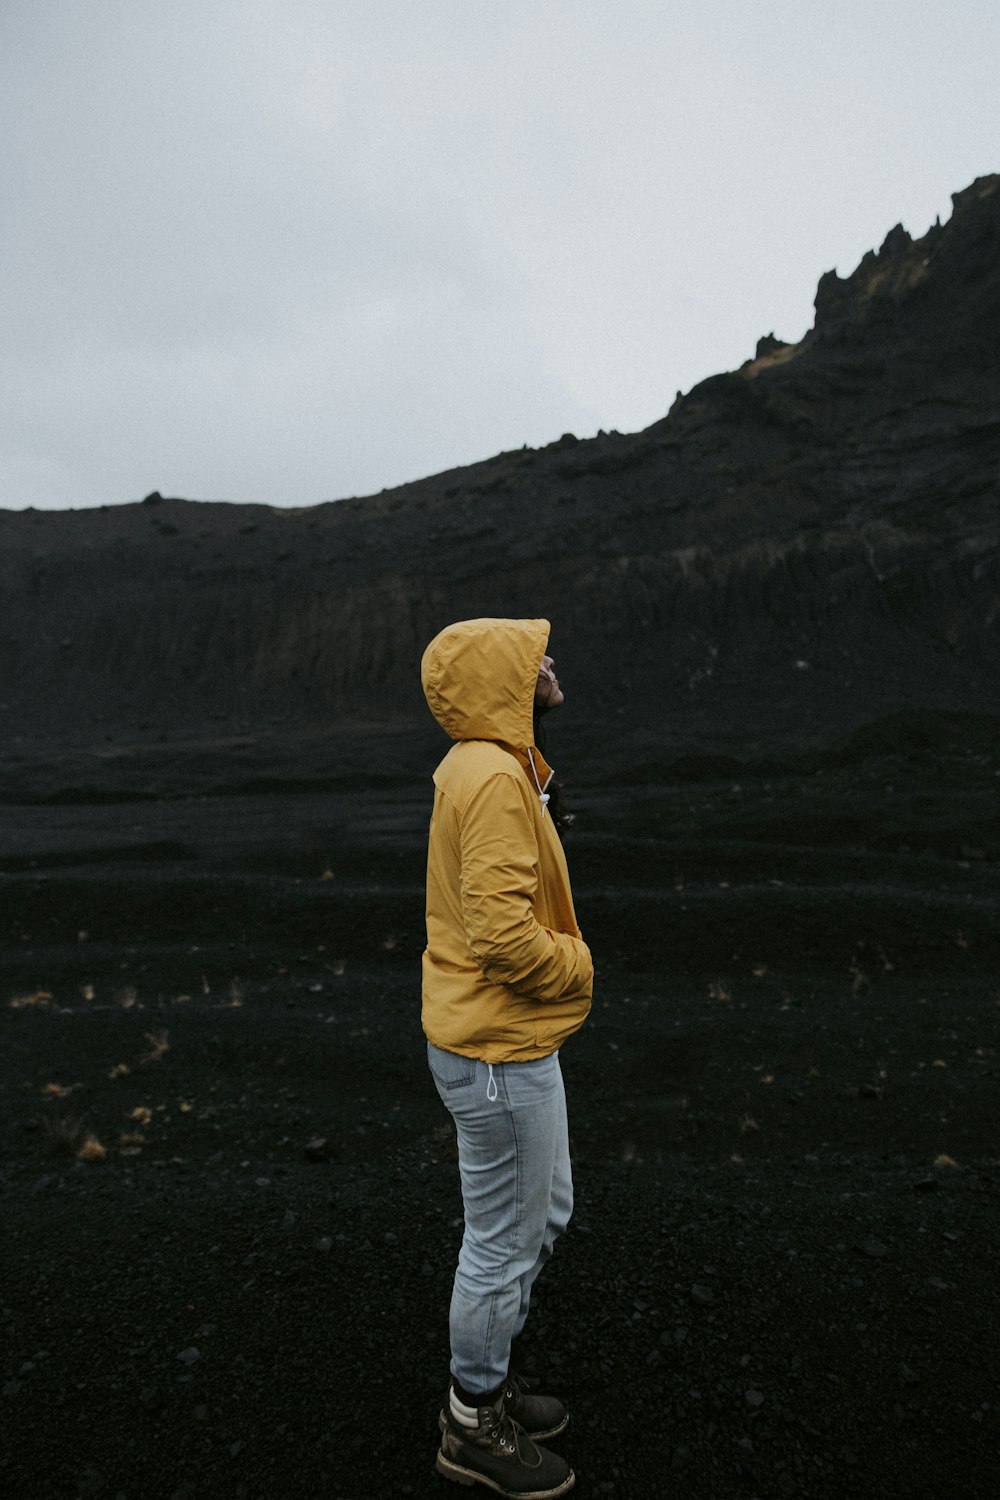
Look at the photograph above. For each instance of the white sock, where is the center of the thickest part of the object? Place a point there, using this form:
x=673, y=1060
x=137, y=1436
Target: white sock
x=465, y=1416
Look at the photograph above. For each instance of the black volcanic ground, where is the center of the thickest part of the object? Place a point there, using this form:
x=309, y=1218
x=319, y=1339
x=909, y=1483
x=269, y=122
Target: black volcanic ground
x=776, y=612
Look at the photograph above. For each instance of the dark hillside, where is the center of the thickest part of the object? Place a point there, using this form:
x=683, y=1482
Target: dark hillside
x=800, y=546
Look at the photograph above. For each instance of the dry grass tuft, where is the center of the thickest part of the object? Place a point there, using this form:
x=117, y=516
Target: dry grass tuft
x=38, y=997
x=91, y=1149
x=159, y=1043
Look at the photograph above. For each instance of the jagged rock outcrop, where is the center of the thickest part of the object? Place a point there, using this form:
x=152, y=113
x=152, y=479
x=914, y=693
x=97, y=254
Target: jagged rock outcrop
x=799, y=546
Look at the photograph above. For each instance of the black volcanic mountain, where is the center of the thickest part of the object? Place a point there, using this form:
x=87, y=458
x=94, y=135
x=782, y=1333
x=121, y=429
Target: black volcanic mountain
x=799, y=547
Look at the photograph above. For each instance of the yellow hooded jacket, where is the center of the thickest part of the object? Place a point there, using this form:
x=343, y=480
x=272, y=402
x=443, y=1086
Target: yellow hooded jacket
x=506, y=974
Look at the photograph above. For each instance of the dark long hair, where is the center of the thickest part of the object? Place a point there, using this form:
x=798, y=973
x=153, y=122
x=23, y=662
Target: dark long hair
x=558, y=812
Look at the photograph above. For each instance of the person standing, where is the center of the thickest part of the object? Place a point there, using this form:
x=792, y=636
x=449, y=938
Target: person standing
x=507, y=978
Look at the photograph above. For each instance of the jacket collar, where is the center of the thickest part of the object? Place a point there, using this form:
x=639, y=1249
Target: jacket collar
x=542, y=767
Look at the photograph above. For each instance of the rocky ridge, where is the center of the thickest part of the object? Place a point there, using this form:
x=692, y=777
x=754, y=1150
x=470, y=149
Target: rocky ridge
x=804, y=544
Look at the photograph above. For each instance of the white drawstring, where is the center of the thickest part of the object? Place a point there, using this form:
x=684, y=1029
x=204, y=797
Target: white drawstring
x=491, y=1085
x=543, y=797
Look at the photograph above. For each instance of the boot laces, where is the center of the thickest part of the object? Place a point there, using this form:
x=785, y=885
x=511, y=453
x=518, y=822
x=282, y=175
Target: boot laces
x=505, y=1432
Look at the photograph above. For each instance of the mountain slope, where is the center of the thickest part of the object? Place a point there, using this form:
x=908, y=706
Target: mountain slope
x=797, y=547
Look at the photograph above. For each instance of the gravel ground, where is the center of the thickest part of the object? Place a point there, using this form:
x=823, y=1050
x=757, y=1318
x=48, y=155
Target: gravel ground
x=781, y=1279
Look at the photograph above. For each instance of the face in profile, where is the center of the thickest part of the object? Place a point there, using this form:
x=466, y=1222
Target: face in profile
x=548, y=693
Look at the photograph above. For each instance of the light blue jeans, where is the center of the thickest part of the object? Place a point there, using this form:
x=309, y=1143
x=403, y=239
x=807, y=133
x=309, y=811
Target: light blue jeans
x=517, y=1190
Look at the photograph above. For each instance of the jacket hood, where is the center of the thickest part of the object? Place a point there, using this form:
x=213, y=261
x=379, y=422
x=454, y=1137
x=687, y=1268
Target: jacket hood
x=479, y=679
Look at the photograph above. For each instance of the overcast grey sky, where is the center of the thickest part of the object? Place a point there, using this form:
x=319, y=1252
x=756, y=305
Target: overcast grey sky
x=292, y=250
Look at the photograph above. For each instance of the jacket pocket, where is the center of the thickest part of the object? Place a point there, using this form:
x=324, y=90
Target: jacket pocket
x=450, y=1070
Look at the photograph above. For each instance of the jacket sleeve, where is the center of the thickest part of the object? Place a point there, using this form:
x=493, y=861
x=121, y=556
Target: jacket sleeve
x=499, y=879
